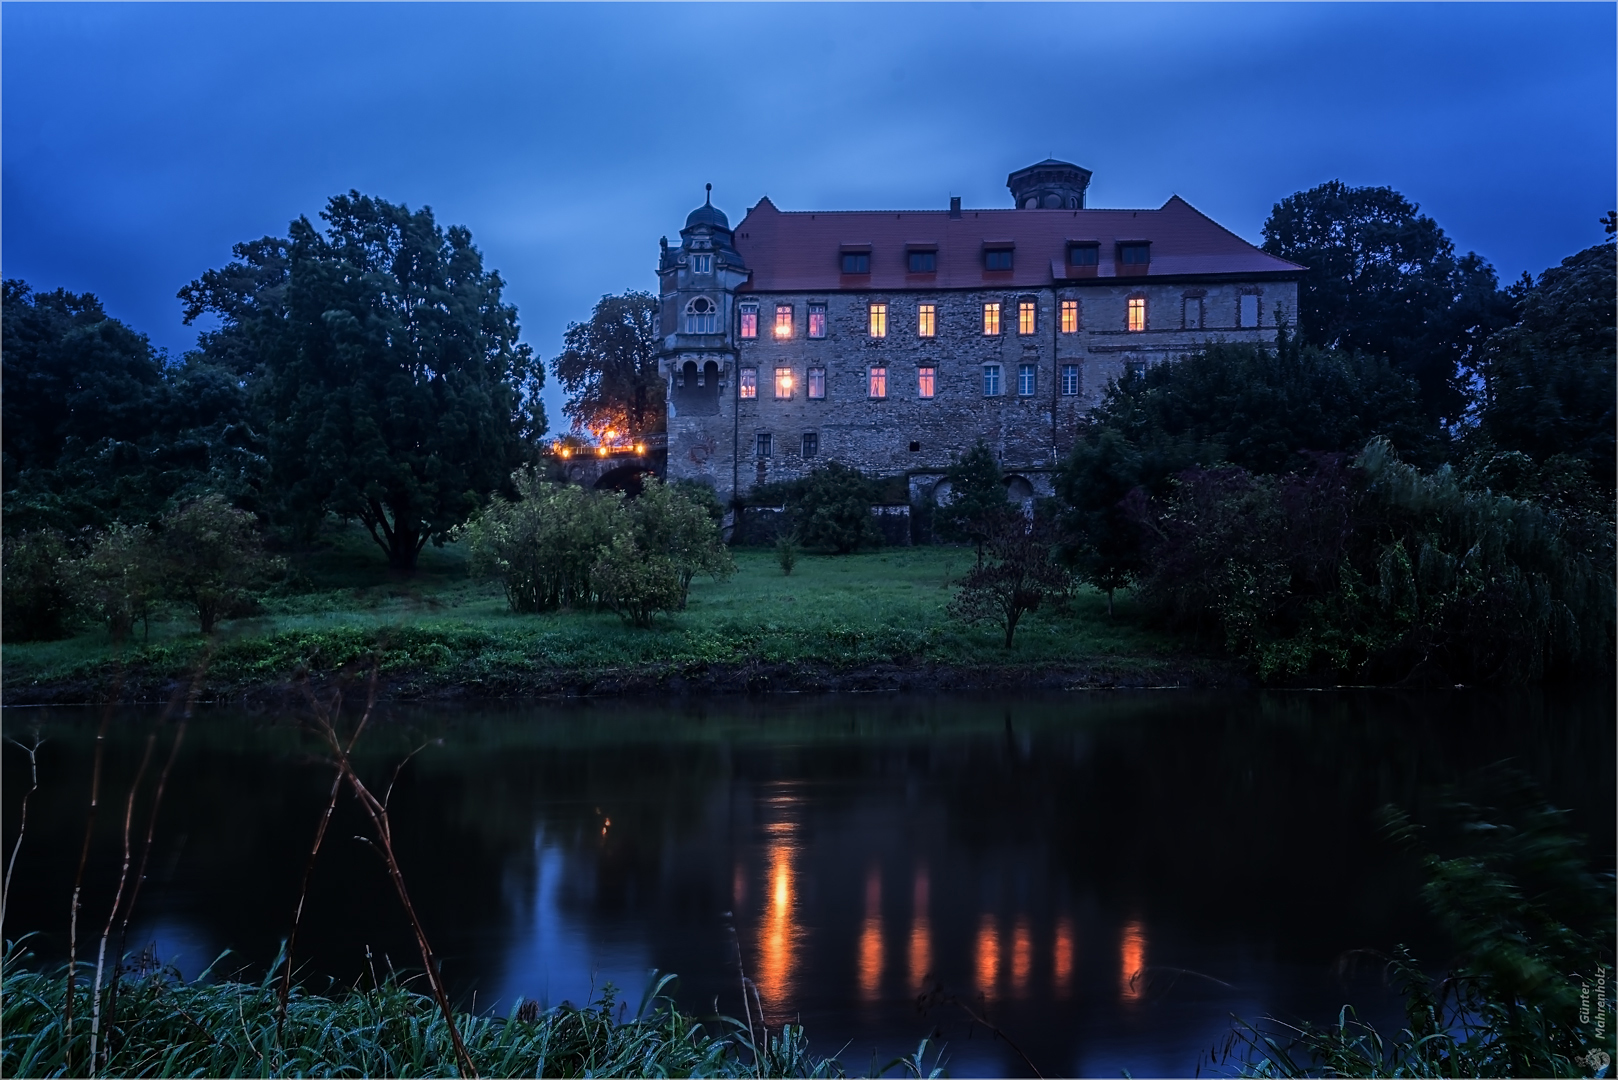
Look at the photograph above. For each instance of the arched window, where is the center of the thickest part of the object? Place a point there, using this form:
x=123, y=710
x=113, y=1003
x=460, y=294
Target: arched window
x=701, y=317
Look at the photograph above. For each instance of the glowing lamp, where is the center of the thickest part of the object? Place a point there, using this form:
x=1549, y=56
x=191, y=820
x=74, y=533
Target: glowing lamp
x=639, y=449
x=566, y=452
x=601, y=451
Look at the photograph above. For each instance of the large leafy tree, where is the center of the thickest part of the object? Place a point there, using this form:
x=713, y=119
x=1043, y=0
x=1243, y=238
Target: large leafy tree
x=1384, y=280
x=389, y=369
x=609, y=368
x=1548, y=381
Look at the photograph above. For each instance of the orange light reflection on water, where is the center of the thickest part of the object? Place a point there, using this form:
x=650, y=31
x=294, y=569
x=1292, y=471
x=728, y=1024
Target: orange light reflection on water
x=1022, y=956
x=1062, y=956
x=921, y=932
x=870, y=958
x=1131, y=961
x=988, y=954
x=778, y=935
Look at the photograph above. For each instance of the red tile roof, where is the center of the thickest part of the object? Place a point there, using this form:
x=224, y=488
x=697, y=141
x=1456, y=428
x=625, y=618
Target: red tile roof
x=798, y=251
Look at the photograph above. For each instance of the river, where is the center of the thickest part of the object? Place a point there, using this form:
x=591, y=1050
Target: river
x=1108, y=876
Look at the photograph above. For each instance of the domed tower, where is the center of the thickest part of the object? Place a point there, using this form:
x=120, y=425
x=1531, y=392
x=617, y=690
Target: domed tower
x=697, y=332
x=1049, y=185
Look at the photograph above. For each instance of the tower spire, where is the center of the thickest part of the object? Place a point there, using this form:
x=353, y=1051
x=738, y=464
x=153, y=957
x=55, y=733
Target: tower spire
x=707, y=199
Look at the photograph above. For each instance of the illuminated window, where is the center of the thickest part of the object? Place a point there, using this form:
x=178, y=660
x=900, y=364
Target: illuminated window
x=924, y=381
x=1247, y=311
x=702, y=264
x=879, y=382
x=1027, y=379
x=856, y=262
x=783, y=383
x=811, y=443
x=749, y=320
x=817, y=382
x=1070, y=379
x=1070, y=316
x=1134, y=254
x=879, y=320
x=997, y=259
x=991, y=380
x=783, y=320
x=991, y=318
x=1137, y=313
x=927, y=320
x=817, y=320
x=764, y=447
x=923, y=262
x=747, y=385
x=1193, y=312
x=1083, y=254
x=701, y=317
x=1026, y=317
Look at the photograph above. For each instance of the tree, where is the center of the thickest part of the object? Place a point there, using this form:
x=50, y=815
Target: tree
x=211, y=556
x=119, y=579
x=1099, y=537
x=609, y=368
x=396, y=389
x=1018, y=576
x=36, y=599
x=1384, y=280
x=1547, y=381
x=977, y=505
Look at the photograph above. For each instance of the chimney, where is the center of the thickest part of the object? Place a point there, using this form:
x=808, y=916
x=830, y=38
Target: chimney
x=955, y=206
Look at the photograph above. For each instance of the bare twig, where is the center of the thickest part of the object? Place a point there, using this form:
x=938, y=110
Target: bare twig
x=22, y=820
x=377, y=811
x=78, y=886
x=303, y=893
x=117, y=900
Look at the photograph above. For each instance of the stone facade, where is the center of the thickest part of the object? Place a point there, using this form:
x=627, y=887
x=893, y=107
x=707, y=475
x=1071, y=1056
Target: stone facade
x=745, y=410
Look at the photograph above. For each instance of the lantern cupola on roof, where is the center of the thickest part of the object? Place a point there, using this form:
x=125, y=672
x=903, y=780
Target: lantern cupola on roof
x=1049, y=185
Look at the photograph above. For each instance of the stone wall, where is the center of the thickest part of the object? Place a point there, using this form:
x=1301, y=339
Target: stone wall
x=905, y=434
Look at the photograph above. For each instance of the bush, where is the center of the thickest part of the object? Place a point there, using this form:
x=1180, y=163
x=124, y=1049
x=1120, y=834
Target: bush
x=36, y=600
x=977, y=508
x=120, y=579
x=543, y=546
x=670, y=521
x=831, y=510
x=635, y=583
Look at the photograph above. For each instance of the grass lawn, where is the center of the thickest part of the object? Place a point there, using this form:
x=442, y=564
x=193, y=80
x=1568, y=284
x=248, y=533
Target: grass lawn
x=440, y=628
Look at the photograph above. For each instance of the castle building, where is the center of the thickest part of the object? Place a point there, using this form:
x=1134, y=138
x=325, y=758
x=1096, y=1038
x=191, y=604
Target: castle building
x=893, y=340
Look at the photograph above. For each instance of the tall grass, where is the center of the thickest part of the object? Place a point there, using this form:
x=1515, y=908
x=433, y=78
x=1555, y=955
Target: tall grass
x=166, y=1027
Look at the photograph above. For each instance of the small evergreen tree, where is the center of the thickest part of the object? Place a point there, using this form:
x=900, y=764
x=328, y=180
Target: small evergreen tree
x=977, y=507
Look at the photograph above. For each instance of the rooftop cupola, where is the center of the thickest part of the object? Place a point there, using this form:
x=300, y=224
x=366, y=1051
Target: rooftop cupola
x=708, y=214
x=1049, y=185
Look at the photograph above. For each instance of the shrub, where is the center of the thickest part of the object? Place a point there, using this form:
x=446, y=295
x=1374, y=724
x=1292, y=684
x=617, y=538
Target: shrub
x=977, y=507
x=670, y=521
x=831, y=510
x=120, y=579
x=635, y=583
x=36, y=599
x=786, y=552
x=543, y=546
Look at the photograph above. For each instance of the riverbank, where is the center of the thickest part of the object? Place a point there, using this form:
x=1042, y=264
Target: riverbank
x=867, y=622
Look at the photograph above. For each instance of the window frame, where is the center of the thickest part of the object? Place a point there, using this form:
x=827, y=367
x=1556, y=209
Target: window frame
x=928, y=260
x=746, y=384
x=763, y=445
x=1027, y=317
x=926, y=381
x=877, y=318
x=809, y=444
x=926, y=320
x=1126, y=248
x=783, y=382
x=1258, y=310
x=1027, y=380
x=701, y=322
x=784, y=328
x=1091, y=251
x=1193, y=304
x=820, y=310
x=859, y=259
x=702, y=264
x=1131, y=306
x=876, y=382
x=1070, y=323
x=747, y=331
x=991, y=318
x=814, y=379
x=993, y=256
x=1070, y=377
x=992, y=385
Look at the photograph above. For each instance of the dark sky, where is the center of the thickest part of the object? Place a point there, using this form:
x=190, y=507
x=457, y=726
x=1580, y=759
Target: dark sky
x=141, y=141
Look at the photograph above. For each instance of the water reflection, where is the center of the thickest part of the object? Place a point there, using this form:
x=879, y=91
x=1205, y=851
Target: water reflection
x=1062, y=957
x=870, y=958
x=1022, y=957
x=988, y=954
x=1131, y=959
x=921, y=932
x=778, y=936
